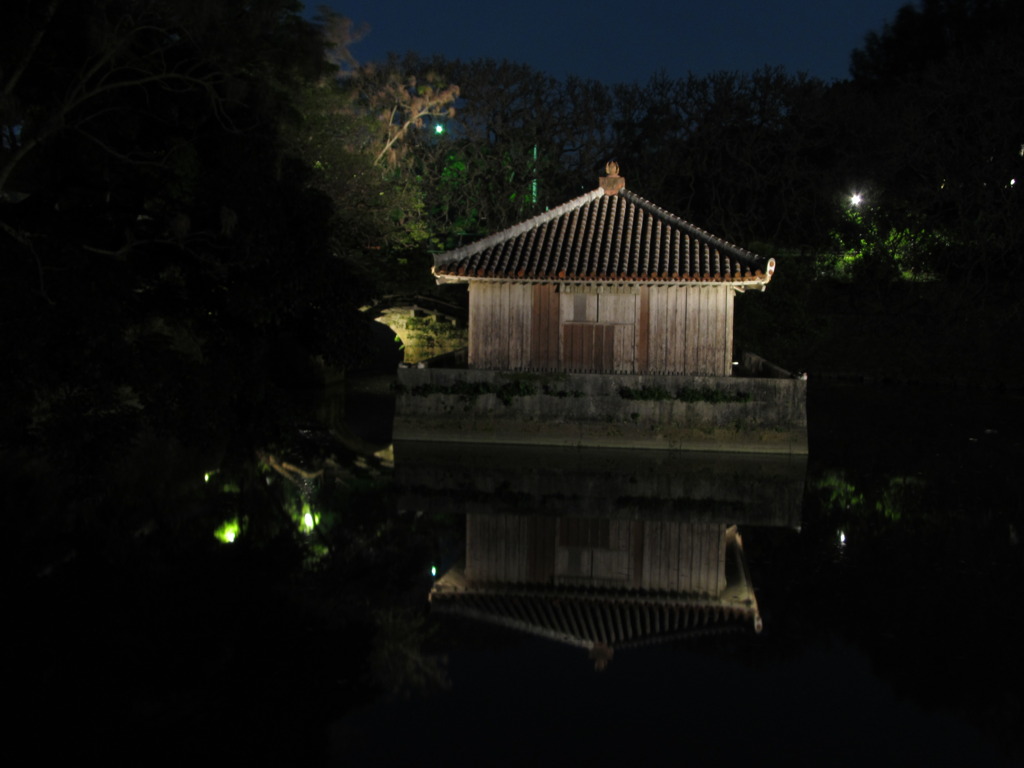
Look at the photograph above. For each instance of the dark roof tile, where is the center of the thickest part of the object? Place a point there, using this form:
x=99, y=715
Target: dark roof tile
x=599, y=237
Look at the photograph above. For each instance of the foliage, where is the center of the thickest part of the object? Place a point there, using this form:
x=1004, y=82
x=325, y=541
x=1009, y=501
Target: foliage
x=378, y=211
x=403, y=104
x=927, y=129
x=737, y=153
x=193, y=206
x=683, y=394
x=521, y=142
x=468, y=391
x=933, y=117
x=283, y=630
x=741, y=154
x=645, y=393
x=170, y=283
x=357, y=130
x=871, y=246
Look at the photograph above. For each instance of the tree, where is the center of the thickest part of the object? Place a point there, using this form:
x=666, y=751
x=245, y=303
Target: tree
x=735, y=153
x=937, y=107
x=378, y=207
x=168, y=270
x=358, y=129
x=521, y=141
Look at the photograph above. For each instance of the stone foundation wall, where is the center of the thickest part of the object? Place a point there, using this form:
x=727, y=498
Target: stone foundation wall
x=761, y=415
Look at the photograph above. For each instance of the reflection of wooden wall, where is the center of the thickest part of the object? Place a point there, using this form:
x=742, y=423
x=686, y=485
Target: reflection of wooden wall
x=517, y=549
x=639, y=329
x=597, y=552
x=684, y=557
x=667, y=556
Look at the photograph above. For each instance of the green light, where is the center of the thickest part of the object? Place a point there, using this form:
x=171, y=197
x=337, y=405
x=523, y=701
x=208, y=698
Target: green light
x=310, y=519
x=228, y=531
x=439, y=128
x=533, y=185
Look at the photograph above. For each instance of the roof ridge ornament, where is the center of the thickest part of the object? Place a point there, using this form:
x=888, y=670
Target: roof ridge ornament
x=612, y=183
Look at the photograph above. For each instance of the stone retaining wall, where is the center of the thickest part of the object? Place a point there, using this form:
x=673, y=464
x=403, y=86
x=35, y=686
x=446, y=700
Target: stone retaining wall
x=761, y=415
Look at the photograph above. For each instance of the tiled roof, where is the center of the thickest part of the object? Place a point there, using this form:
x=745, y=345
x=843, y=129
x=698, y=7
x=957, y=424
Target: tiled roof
x=601, y=237
x=584, y=619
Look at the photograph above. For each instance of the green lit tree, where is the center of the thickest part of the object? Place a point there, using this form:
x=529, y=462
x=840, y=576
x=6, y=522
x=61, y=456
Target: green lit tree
x=934, y=115
x=521, y=141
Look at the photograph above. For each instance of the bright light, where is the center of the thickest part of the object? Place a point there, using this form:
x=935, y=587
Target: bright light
x=842, y=539
x=307, y=519
x=856, y=199
x=433, y=571
x=228, y=531
x=439, y=128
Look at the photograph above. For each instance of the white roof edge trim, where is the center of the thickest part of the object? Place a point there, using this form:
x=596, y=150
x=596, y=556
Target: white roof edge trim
x=468, y=250
x=739, y=285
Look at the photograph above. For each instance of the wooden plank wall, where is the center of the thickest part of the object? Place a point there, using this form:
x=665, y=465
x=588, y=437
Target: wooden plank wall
x=599, y=331
x=652, y=329
x=544, y=324
x=689, y=330
x=619, y=310
x=500, y=325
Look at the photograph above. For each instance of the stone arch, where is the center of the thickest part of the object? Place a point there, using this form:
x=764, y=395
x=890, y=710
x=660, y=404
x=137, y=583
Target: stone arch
x=422, y=332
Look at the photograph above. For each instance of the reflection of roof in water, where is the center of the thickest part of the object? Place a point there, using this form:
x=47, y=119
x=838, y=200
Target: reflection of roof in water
x=601, y=549
x=586, y=619
x=587, y=613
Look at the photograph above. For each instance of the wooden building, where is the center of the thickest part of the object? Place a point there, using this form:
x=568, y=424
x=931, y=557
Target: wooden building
x=601, y=584
x=599, y=549
x=571, y=315
x=606, y=283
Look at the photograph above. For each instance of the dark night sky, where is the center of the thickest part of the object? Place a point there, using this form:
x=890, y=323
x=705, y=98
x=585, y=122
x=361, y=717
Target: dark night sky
x=625, y=41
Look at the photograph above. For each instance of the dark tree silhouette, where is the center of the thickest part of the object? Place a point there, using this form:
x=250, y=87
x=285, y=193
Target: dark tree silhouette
x=935, y=109
x=168, y=270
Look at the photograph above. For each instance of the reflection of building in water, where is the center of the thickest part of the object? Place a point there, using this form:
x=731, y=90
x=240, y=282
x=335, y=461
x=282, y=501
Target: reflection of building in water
x=603, y=550
x=600, y=583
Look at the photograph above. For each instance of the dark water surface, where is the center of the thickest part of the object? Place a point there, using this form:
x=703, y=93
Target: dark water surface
x=886, y=569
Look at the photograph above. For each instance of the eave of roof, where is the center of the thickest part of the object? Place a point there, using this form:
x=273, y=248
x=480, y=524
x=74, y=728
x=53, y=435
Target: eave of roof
x=584, y=619
x=605, y=238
